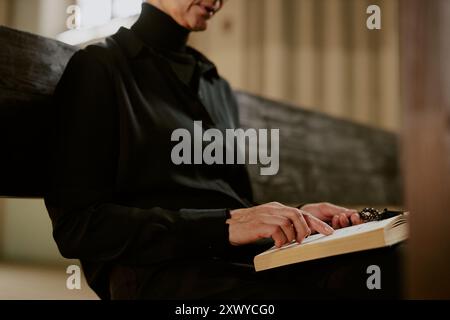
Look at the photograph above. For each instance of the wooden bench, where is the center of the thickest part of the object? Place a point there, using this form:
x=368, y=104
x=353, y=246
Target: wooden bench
x=321, y=158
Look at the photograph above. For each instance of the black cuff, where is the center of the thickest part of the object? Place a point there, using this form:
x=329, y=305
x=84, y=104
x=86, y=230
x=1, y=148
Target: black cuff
x=206, y=230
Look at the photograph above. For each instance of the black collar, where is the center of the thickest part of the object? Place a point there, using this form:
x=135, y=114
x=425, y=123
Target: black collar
x=158, y=30
x=132, y=46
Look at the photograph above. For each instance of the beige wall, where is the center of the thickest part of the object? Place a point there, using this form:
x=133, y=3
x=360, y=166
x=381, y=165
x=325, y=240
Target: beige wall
x=3, y=12
x=26, y=232
x=314, y=53
x=23, y=15
x=53, y=17
x=44, y=17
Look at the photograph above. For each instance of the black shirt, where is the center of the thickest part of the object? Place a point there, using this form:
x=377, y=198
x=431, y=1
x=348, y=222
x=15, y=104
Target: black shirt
x=116, y=197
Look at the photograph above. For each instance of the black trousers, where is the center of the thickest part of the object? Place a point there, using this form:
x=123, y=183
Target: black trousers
x=343, y=276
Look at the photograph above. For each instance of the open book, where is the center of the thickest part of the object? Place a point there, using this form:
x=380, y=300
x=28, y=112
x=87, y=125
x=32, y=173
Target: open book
x=361, y=237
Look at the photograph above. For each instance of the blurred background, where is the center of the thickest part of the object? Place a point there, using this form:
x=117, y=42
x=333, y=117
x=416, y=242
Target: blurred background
x=314, y=53
x=317, y=54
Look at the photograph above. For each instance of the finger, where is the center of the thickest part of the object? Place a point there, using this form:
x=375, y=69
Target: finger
x=335, y=222
x=334, y=209
x=318, y=225
x=283, y=222
x=271, y=231
x=279, y=237
x=275, y=204
x=343, y=220
x=356, y=219
x=350, y=212
x=305, y=231
x=300, y=226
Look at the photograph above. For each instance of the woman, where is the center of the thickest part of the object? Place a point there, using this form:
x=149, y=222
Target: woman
x=142, y=226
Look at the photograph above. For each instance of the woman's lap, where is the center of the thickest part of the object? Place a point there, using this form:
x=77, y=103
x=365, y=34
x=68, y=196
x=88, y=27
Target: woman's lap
x=342, y=276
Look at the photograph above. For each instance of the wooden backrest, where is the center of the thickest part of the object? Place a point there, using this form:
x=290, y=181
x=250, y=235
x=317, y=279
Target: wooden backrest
x=321, y=158
x=30, y=67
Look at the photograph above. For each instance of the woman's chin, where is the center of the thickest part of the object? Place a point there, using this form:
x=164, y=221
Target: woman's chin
x=199, y=25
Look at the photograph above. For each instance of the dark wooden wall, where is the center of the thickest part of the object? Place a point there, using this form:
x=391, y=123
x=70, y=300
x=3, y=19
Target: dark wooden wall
x=322, y=158
x=425, y=71
x=30, y=67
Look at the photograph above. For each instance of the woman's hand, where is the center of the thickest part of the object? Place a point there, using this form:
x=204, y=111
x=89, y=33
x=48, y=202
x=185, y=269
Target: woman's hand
x=338, y=217
x=273, y=220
